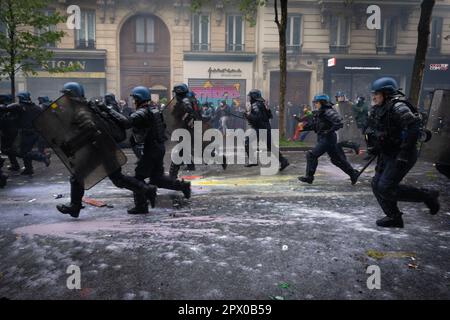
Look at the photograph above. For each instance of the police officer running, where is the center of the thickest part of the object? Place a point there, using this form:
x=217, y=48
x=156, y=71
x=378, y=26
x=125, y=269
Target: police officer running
x=26, y=111
x=149, y=129
x=76, y=92
x=326, y=121
x=258, y=118
x=394, y=126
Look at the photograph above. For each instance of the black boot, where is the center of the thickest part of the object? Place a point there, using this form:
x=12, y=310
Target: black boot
x=186, y=188
x=140, y=204
x=3, y=180
x=307, y=179
x=284, y=163
x=14, y=168
x=27, y=172
x=354, y=177
x=391, y=222
x=71, y=209
x=433, y=202
x=173, y=170
x=151, y=195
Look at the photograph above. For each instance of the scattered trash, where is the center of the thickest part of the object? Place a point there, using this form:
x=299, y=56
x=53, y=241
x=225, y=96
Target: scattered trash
x=32, y=200
x=109, y=206
x=58, y=196
x=93, y=202
x=277, y=298
x=378, y=255
x=191, y=177
x=412, y=266
x=284, y=247
x=284, y=285
x=26, y=214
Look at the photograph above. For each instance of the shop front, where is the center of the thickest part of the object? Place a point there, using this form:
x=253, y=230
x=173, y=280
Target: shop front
x=88, y=69
x=217, y=79
x=355, y=76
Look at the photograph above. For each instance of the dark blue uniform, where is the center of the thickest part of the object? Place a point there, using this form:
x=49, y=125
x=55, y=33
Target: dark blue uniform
x=259, y=118
x=149, y=128
x=326, y=121
x=393, y=131
x=26, y=112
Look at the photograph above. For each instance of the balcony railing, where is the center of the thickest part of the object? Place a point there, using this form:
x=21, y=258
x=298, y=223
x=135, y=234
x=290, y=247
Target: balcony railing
x=200, y=46
x=339, y=49
x=84, y=44
x=236, y=47
x=386, y=49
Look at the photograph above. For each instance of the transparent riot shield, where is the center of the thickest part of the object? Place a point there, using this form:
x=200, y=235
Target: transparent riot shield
x=437, y=150
x=88, y=151
x=350, y=131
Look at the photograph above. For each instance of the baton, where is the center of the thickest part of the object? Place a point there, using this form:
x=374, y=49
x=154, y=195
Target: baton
x=366, y=166
x=236, y=115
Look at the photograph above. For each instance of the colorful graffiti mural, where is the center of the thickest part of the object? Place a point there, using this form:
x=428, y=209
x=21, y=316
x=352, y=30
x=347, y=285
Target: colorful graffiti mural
x=215, y=91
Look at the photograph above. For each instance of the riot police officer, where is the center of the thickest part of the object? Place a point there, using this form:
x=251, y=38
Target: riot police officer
x=85, y=119
x=9, y=133
x=185, y=112
x=149, y=128
x=258, y=117
x=26, y=112
x=110, y=100
x=394, y=126
x=346, y=136
x=326, y=121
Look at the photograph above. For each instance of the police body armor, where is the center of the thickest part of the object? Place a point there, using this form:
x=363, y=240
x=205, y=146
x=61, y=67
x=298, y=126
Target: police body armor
x=81, y=138
x=385, y=132
x=320, y=123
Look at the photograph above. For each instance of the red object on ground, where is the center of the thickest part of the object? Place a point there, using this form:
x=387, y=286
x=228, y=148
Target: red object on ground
x=93, y=202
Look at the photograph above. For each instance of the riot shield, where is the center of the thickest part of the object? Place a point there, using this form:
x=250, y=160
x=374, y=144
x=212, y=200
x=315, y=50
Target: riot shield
x=350, y=131
x=437, y=150
x=90, y=154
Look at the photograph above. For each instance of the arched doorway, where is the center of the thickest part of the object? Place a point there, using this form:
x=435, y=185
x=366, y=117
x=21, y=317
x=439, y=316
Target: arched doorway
x=144, y=54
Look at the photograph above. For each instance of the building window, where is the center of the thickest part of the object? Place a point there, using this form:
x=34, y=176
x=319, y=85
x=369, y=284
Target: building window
x=85, y=37
x=3, y=28
x=200, y=32
x=293, y=33
x=145, y=34
x=235, y=33
x=435, y=35
x=52, y=28
x=339, y=34
x=386, y=36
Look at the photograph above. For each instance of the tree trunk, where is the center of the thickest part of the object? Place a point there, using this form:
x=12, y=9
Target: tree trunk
x=283, y=66
x=12, y=77
x=421, y=51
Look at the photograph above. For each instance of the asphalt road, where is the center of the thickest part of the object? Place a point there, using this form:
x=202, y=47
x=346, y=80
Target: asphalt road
x=240, y=236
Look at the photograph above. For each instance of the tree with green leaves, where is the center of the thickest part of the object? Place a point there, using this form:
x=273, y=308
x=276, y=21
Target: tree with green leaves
x=26, y=29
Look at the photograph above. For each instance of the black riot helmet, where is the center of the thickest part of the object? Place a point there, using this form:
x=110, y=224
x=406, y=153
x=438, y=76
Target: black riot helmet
x=110, y=98
x=255, y=95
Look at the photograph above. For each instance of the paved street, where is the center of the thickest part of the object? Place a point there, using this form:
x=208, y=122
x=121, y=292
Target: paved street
x=240, y=236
